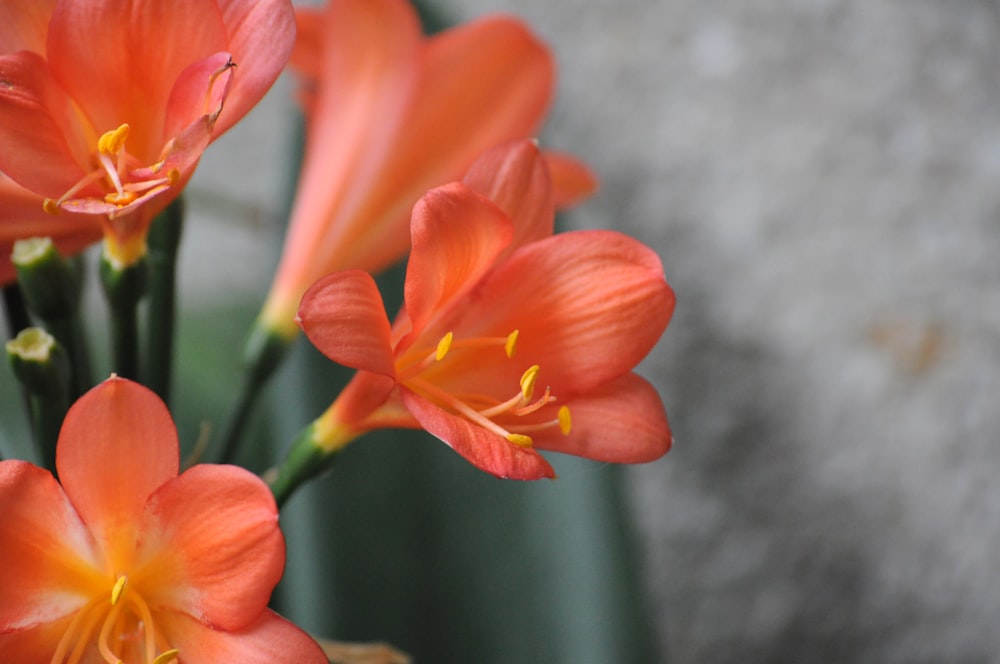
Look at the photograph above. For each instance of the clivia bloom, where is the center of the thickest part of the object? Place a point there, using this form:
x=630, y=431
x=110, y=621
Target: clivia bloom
x=106, y=108
x=392, y=113
x=510, y=339
x=127, y=562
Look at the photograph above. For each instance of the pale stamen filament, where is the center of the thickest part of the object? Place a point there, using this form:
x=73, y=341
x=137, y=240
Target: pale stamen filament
x=460, y=407
x=87, y=612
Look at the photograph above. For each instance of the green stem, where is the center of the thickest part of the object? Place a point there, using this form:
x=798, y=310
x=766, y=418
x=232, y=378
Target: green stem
x=304, y=461
x=124, y=287
x=264, y=353
x=16, y=309
x=164, y=241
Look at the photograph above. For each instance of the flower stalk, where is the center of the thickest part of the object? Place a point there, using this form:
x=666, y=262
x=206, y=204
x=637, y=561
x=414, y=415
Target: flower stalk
x=164, y=242
x=52, y=287
x=41, y=366
x=124, y=286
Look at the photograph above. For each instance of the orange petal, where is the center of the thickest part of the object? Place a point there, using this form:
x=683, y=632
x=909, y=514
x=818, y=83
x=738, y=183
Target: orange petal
x=47, y=561
x=589, y=306
x=200, y=90
x=343, y=316
x=211, y=545
x=483, y=449
x=34, y=645
x=24, y=25
x=269, y=640
x=457, y=236
x=514, y=176
x=42, y=148
x=261, y=37
x=307, y=54
x=622, y=421
x=572, y=179
x=367, y=74
x=117, y=445
x=120, y=66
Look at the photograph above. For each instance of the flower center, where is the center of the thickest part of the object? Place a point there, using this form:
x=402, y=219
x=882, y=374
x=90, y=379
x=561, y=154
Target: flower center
x=115, y=169
x=499, y=415
x=121, y=622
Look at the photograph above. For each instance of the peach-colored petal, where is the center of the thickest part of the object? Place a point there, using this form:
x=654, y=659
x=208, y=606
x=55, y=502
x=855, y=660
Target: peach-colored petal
x=212, y=546
x=343, y=316
x=515, y=177
x=572, y=179
x=117, y=445
x=269, y=640
x=47, y=560
x=368, y=72
x=622, y=421
x=24, y=24
x=589, y=306
x=307, y=54
x=200, y=90
x=35, y=114
x=457, y=236
x=120, y=65
x=34, y=645
x=260, y=34
x=483, y=449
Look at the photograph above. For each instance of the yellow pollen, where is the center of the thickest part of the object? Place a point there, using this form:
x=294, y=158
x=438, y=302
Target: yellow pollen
x=111, y=142
x=173, y=175
x=511, y=342
x=167, y=656
x=443, y=346
x=528, y=381
x=50, y=206
x=520, y=440
x=118, y=590
x=565, y=422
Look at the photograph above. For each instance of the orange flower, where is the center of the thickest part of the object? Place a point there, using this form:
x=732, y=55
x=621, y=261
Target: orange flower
x=105, y=109
x=510, y=339
x=392, y=113
x=129, y=562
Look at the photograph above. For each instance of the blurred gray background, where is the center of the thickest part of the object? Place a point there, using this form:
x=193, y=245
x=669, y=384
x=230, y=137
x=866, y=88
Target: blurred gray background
x=822, y=181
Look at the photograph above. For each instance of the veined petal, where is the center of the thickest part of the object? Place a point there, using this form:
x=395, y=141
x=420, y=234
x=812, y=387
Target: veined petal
x=24, y=24
x=515, y=177
x=483, y=449
x=34, y=645
x=211, y=546
x=343, y=316
x=457, y=235
x=124, y=68
x=200, y=91
x=117, y=445
x=367, y=75
x=621, y=421
x=572, y=179
x=589, y=306
x=47, y=561
x=261, y=34
x=42, y=147
x=482, y=83
x=269, y=640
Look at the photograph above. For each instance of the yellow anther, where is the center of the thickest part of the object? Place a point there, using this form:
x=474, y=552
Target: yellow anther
x=511, y=342
x=50, y=206
x=111, y=142
x=121, y=198
x=520, y=440
x=167, y=656
x=443, y=346
x=565, y=422
x=118, y=590
x=528, y=381
x=173, y=175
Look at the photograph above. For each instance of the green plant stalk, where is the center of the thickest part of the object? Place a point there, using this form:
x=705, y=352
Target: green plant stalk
x=304, y=461
x=264, y=353
x=164, y=242
x=124, y=287
x=41, y=366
